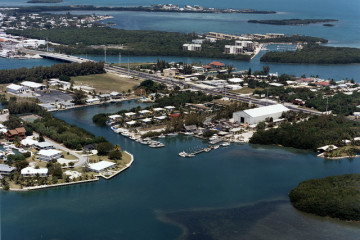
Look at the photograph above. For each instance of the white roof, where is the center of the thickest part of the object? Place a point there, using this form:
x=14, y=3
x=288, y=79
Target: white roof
x=100, y=165
x=146, y=120
x=43, y=144
x=31, y=84
x=130, y=114
x=31, y=170
x=235, y=80
x=328, y=147
x=14, y=87
x=28, y=141
x=114, y=93
x=6, y=168
x=158, y=109
x=169, y=107
x=161, y=117
x=130, y=123
x=144, y=111
x=114, y=116
x=48, y=152
x=261, y=111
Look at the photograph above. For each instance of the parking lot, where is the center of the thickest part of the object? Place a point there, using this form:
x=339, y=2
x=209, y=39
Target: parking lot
x=53, y=96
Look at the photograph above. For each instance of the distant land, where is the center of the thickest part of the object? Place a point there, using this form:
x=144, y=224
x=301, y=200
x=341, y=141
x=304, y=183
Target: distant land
x=336, y=196
x=292, y=21
x=45, y=1
x=328, y=25
x=154, y=8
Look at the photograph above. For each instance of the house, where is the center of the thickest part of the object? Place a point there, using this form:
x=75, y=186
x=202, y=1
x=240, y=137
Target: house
x=14, y=88
x=115, y=95
x=33, y=86
x=327, y=148
x=231, y=49
x=28, y=142
x=66, y=105
x=140, y=92
x=256, y=115
x=104, y=97
x=191, y=47
x=49, y=154
x=216, y=64
x=48, y=106
x=32, y=172
x=93, y=101
x=10, y=135
x=6, y=169
x=170, y=72
x=101, y=166
x=43, y=145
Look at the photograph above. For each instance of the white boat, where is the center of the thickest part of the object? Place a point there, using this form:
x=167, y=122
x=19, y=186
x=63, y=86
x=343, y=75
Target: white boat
x=191, y=155
x=225, y=144
x=189, y=133
x=207, y=149
x=216, y=146
x=161, y=136
x=183, y=154
x=172, y=134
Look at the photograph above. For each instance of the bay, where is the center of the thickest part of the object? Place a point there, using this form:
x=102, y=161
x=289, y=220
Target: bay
x=128, y=206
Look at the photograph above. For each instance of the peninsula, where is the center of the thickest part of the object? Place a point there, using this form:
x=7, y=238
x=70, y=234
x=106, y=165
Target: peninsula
x=336, y=196
x=292, y=21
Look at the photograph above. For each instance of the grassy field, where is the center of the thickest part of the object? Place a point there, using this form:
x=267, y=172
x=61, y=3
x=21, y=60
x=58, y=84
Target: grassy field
x=107, y=82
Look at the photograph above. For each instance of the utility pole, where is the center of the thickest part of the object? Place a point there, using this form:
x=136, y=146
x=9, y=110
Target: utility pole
x=105, y=54
x=128, y=68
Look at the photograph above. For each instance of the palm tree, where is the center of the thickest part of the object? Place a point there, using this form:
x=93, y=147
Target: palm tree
x=117, y=148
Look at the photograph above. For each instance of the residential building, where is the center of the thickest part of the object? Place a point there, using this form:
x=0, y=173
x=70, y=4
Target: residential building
x=231, y=49
x=48, y=106
x=191, y=47
x=32, y=172
x=43, y=145
x=14, y=88
x=10, y=135
x=33, y=85
x=49, y=154
x=101, y=166
x=6, y=169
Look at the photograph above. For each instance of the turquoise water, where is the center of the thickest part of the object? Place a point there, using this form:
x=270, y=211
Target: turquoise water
x=126, y=207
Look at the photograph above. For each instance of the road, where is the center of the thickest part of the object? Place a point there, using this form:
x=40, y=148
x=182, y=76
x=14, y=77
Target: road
x=232, y=96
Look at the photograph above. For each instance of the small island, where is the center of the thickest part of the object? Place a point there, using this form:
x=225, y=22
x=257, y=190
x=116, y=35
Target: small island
x=336, y=197
x=328, y=25
x=292, y=21
x=45, y=1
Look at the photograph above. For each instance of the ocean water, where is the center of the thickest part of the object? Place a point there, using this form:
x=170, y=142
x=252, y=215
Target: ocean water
x=131, y=205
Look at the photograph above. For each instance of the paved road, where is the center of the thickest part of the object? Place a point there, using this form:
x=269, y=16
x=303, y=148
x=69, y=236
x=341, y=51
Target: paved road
x=232, y=96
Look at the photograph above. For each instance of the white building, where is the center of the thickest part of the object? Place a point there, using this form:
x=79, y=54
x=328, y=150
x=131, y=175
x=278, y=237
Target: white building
x=14, y=88
x=101, y=166
x=247, y=45
x=231, y=49
x=6, y=169
x=33, y=85
x=256, y=115
x=32, y=172
x=49, y=154
x=43, y=145
x=48, y=106
x=191, y=47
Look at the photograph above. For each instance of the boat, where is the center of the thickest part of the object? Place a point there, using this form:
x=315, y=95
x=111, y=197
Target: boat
x=183, y=154
x=225, y=144
x=207, y=149
x=190, y=155
x=161, y=136
x=172, y=134
x=216, y=146
x=189, y=133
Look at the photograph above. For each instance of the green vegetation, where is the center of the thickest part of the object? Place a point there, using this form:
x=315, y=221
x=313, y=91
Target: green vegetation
x=131, y=42
x=315, y=54
x=100, y=119
x=37, y=74
x=292, y=21
x=178, y=99
x=295, y=39
x=336, y=196
x=315, y=132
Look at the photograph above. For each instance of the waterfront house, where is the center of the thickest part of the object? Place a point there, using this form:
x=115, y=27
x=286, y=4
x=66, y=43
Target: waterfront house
x=93, y=101
x=216, y=64
x=66, y=105
x=6, y=169
x=48, y=106
x=256, y=115
x=115, y=95
x=191, y=47
x=104, y=97
x=10, y=135
x=32, y=172
x=327, y=148
x=49, y=154
x=101, y=166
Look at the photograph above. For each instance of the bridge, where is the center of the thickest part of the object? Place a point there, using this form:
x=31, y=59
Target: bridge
x=63, y=57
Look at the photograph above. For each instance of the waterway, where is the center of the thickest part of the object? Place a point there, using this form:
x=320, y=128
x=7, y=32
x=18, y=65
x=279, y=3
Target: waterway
x=128, y=206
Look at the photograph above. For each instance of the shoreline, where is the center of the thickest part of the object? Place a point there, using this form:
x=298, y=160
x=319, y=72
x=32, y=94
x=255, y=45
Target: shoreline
x=96, y=178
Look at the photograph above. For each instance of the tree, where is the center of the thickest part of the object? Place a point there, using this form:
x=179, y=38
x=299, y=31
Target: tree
x=104, y=148
x=249, y=72
x=266, y=70
x=115, y=155
x=79, y=97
